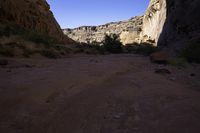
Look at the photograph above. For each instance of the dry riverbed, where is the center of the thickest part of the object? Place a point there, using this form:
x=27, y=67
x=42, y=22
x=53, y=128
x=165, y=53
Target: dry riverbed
x=98, y=94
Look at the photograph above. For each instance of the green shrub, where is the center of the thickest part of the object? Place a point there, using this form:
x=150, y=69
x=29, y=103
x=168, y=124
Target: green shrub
x=27, y=52
x=62, y=49
x=39, y=38
x=100, y=49
x=177, y=61
x=6, y=50
x=49, y=53
x=28, y=35
x=143, y=48
x=4, y=31
x=112, y=44
x=90, y=49
x=192, y=52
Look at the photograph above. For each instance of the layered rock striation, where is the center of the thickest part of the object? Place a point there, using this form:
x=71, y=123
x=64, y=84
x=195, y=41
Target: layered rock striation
x=129, y=31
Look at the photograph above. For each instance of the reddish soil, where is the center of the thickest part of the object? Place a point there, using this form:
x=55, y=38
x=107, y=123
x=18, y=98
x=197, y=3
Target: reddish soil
x=98, y=94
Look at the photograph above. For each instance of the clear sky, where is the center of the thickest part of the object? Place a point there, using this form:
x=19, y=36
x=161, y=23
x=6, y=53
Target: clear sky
x=75, y=13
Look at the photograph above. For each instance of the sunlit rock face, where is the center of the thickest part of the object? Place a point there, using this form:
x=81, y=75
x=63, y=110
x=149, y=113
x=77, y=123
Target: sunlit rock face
x=128, y=37
x=171, y=22
x=128, y=31
x=154, y=20
x=33, y=15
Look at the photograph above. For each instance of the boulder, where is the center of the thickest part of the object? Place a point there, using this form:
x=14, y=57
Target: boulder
x=160, y=57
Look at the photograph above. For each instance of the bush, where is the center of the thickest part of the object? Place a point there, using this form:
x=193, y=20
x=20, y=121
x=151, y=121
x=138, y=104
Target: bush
x=28, y=35
x=112, y=44
x=27, y=52
x=6, y=50
x=100, y=49
x=49, y=53
x=4, y=31
x=90, y=49
x=39, y=38
x=177, y=61
x=143, y=48
x=192, y=52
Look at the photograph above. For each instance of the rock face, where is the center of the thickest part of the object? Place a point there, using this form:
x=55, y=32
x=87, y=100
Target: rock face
x=33, y=15
x=171, y=22
x=153, y=21
x=129, y=31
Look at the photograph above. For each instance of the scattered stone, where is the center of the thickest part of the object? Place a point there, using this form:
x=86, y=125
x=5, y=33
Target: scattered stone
x=17, y=126
x=162, y=71
x=47, y=101
x=8, y=70
x=3, y=62
x=118, y=116
x=29, y=66
x=93, y=60
x=160, y=57
x=172, y=78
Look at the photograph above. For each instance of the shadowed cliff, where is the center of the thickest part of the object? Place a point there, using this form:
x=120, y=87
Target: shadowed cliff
x=182, y=22
x=30, y=15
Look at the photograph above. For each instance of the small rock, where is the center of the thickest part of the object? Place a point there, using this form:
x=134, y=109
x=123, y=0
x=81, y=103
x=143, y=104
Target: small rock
x=116, y=116
x=28, y=66
x=162, y=71
x=173, y=79
x=3, y=62
x=48, y=101
x=8, y=70
x=192, y=74
x=95, y=61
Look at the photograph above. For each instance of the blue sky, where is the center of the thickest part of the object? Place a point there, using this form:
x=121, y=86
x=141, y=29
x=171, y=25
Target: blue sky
x=75, y=13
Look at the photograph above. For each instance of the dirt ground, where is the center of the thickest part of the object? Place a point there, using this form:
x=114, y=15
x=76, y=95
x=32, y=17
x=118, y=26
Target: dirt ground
x=98, y=94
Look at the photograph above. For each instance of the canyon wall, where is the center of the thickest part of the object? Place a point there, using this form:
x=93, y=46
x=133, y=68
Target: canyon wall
x=128, y=31
x=31, y=15
x=167, y=23
x=172, y=22
x=153, y=21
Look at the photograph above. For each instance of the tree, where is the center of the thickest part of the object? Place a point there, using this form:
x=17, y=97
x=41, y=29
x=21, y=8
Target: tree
x=112, y=43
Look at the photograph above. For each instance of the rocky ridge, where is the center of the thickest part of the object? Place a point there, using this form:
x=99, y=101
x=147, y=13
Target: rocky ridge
x=129, y=31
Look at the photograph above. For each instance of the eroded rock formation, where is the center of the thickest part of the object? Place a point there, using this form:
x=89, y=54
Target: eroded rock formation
x=129, y=31
x=33, y=15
